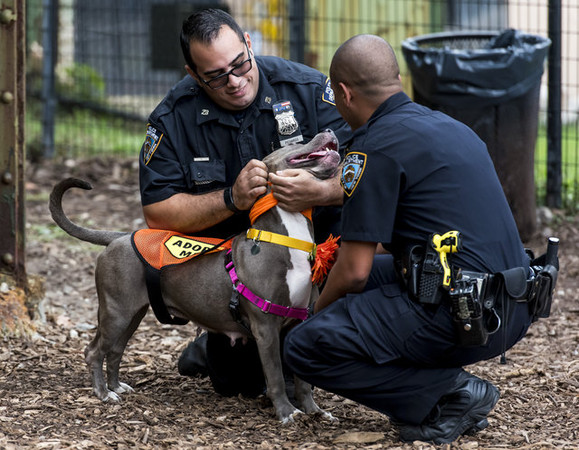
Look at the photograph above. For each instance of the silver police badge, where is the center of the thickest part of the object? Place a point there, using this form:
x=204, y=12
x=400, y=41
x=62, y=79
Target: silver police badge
x=285, y=117
x=287, y=125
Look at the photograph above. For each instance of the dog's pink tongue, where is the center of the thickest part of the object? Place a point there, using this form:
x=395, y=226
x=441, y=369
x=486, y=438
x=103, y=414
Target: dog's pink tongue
x=318, y=154
x=310, y=156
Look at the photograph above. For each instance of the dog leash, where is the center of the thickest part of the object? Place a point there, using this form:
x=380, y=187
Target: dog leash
x=265, y=305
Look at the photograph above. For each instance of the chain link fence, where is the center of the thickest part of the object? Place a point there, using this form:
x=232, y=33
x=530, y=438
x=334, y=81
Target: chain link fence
x=95, y=70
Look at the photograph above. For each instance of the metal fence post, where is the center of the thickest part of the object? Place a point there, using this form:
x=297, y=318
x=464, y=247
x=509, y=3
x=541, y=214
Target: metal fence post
x=553, y=199
x=50, y=49
x=12, y=101
x=297, y=13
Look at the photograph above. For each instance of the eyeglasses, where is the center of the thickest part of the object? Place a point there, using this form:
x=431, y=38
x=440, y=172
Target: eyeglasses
x=238, y=70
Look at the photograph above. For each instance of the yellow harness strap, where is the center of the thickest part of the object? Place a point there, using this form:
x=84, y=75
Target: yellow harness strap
x=280, y=239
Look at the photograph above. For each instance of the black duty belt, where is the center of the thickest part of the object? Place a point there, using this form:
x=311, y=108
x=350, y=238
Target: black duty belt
x=518, y=283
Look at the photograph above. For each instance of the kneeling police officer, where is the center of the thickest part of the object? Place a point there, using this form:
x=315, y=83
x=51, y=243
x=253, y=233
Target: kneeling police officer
x=393, y=331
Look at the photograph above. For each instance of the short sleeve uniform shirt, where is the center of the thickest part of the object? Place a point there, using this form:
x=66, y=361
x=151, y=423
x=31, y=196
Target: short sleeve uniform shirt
x=194, y=146
x=411, y=171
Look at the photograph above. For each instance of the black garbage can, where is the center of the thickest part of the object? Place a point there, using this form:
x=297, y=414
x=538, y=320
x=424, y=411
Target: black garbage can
x=491, y=82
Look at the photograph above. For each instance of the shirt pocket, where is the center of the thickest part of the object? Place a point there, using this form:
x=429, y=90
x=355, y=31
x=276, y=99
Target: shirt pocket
x=206, y=175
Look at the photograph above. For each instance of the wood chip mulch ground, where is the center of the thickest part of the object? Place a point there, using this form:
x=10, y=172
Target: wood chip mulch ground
x=46, y=399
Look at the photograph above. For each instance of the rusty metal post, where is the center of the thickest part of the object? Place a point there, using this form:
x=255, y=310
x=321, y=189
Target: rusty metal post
x=12, y=101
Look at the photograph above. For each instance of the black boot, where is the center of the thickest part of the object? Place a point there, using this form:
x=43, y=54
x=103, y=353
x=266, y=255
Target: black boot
x=232, y=370
x=193, y=360
x=463, y=410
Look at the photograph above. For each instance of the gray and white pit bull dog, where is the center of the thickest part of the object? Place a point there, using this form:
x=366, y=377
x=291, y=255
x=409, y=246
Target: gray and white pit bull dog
x=200, y=290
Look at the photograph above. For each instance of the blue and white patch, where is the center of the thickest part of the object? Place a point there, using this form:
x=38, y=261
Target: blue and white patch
x=354, y=165
x=152, y=140
x=328, y=94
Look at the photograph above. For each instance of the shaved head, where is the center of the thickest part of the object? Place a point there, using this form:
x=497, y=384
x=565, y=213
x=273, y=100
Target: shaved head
x=367, y=63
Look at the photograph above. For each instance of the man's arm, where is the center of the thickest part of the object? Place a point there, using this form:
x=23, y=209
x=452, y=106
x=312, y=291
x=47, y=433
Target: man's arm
x=187, y=213
x=191, y=213
x=350, y=272
x=297, y=189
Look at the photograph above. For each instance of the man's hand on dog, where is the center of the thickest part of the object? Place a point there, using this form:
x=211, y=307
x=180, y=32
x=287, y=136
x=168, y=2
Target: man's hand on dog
x=297, y=189
x=250, y=184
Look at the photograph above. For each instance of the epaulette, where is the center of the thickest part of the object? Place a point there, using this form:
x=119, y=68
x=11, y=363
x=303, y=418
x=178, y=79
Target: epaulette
x=279, y=70
x=187, y=87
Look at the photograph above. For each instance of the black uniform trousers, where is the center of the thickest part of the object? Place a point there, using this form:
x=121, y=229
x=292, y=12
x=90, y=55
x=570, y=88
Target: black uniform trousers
x=385, y=351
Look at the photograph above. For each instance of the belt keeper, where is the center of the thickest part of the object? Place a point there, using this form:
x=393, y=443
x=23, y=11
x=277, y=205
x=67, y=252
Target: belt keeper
x=266, y=306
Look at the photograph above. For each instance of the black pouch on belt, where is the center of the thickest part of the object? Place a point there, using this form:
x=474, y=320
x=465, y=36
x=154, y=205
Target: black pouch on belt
x=431, y=277
x=422, y=274
x=546, y=270
x=467, y=315
x=541, y=295
x=409, y=269
x=537, y=291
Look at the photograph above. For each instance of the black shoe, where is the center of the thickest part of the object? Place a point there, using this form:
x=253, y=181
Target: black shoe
x=193, y=360
x=463, y=410
x=234, y=369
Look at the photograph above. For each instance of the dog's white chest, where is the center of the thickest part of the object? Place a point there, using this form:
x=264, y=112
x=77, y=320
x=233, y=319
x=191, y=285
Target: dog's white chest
x=298, y=277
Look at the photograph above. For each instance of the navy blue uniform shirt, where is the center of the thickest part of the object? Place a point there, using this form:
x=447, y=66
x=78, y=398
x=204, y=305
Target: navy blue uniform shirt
x=194, y=146
x=410, y=171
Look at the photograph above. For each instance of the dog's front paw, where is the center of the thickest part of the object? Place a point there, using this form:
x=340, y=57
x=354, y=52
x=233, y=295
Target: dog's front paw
x=106, y=395
x=112, y=397
x=328, y=416
x=123, y=388
x=290, y=417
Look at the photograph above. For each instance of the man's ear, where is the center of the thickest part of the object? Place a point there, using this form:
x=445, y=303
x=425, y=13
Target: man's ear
x=248, y=40
x=346, y=92
x=191, y=73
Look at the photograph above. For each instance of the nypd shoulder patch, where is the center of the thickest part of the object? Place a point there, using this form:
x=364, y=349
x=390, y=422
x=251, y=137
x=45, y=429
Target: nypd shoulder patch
x=328, y=94
x=152, y=140
x=354, y=165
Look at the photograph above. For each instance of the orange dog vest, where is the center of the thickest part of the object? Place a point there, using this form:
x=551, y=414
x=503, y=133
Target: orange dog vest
x=160, y=248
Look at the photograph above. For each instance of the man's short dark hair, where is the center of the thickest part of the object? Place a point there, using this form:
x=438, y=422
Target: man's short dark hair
x=203, y=26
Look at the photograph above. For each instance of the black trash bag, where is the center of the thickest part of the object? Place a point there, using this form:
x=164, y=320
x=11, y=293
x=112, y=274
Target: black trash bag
x=452, y=68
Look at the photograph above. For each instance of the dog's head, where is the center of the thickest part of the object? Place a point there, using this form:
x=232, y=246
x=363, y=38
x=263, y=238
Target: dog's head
x=319, y=156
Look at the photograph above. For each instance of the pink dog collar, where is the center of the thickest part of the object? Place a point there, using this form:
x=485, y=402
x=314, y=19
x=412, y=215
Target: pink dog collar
x=265, y=305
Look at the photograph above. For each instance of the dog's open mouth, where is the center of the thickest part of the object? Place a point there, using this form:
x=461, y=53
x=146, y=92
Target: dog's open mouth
x=321, y=151
x=317, y=153
x=319, y=156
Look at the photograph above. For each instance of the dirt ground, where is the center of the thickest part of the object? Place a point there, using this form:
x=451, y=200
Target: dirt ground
x=46, y=399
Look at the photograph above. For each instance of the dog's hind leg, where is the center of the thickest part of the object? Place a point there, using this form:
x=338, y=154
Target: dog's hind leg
x=109, y=345
x=122, y=305
x=94, y=358
x=114, y=355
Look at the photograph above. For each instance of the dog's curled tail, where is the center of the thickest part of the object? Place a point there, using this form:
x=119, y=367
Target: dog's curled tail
x=97, y=237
